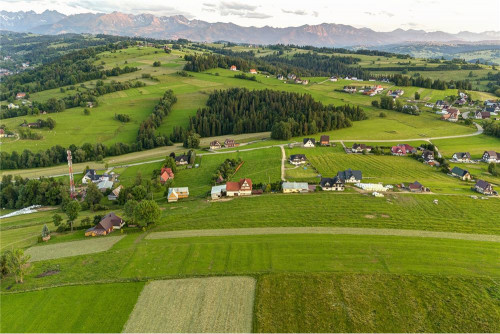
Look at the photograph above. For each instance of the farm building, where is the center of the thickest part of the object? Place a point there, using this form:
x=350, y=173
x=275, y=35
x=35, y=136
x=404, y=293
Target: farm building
x=107, y=224
x=115, y=193
x=297, y=159
x=359, y=148
x=324, y=140
x=175, y=194
x=332, y=184
x=491, y=156
x=105, y=185
x=350, y=176
x=229, y=143
x=309, y=142
x=166, y=174
x=460, y=173
x=333, y=79
x=181, y=160
x=218, y=191
x=350, y=89
x=461, y=157
x=372, y=186
x=417, y=187
x=215, y=145
x=295, y=187
x=91, y=176
x=484, y=188
x=241, y=188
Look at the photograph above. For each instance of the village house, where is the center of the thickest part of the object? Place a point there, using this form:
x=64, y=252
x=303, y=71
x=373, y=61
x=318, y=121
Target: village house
x=280, y=77
x=402, y=149
x=20, y=96
x=298, y=80
x=218, y=191
x=482, y=114
x=453, y=114
x=115, y=193
x=174, y=194
x=491, y=156
x=359, y=148
x=104, y=185
x=181, y=160
x=461, y=173
x=333, y=79
x=107, y=224
x=350, y=89
x=294, y=187
x=229, y=143
x=91, y=176
x=332, y=184
x=297, y=159
x=166, y=174
x=440, y=104
x=233, y=68
x=350, y=176
x=241, y=188
x=396, y=93
x=291, y=76
x=428, y=156
x=309, y=142
x=495, y=109
x=215, y=145
x=2, y=133
x=324, y=140
x=484, y=188
x=12, y=106
x=417, y=187
x=461, y=157
x=253, y=71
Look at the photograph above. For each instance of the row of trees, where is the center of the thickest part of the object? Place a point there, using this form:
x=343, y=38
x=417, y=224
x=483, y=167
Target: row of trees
x=239, y=110
x=491, y=128
x=387, y=102
x=418, y=81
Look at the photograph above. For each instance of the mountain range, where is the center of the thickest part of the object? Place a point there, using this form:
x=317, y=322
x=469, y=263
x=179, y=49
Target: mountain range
x=178, y=26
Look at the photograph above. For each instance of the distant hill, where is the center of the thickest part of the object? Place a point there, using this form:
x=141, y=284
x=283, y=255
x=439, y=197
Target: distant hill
x=173, y=27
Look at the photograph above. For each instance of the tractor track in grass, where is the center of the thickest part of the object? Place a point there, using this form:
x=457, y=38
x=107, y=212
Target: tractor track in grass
x=321, y=230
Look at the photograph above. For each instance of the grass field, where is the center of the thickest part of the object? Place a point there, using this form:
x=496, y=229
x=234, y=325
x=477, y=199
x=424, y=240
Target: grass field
x=100, y=308
x=296, y=303
x=73, y=248
x=196, y=305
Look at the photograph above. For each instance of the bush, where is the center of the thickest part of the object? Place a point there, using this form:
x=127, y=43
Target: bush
x=157, y=64
x=382, y=114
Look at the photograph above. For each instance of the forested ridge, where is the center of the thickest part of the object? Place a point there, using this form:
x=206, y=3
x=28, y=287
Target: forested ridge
x=239, y=110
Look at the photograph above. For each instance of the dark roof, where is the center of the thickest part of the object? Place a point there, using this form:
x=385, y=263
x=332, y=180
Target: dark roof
x=415, y=185
x=298, y=157
x=482, y=184
x=181, y=157
x=309, y=139
x=325, y=138
x=112, y=218
x=347, y=174
x=459, y=171
x=330, y=181
x=462, y=155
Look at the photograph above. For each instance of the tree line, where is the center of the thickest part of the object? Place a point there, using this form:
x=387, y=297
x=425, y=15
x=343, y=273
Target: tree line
x=403, y=80
x=491, y=128
x=239, y=110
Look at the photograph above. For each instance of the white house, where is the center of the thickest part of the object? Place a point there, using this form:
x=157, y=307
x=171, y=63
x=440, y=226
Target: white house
x=309, y=142
x=491, y=156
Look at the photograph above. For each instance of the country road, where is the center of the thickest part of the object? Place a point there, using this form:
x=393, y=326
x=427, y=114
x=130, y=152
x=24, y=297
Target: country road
x=478, y=132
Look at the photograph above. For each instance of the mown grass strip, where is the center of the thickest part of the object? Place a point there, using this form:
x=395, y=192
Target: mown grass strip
x=73, y=248
x=320, y=230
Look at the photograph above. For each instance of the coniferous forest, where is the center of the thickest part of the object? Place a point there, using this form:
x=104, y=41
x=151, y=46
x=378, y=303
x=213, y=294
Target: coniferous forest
x=239, y=110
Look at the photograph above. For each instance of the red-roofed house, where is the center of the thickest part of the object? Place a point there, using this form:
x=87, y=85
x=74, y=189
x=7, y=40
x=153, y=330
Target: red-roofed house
x=20, y=96
x=253, y=71
x=241, y=188
x=398, y=150
x=166, y=174
x=233, y=68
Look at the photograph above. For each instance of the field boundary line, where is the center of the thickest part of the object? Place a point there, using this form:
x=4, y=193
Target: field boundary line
x=321, y=230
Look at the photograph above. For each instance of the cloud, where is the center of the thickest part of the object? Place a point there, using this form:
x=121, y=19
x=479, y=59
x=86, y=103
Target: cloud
x=237, y=6
x=231, y=8
x=295, y=12
x=212, y=5
x=315, y=14
x=381, y=13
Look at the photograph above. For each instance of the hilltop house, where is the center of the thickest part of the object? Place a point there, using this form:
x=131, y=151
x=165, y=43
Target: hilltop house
x=324, y=140
x=115, y=193
x=332, y=184
x=20, y=95
x=233, y=68
x=350, y=176
x=295, y=187
x=461, y=157
x=166, y=174
x=297, y=159
x=309, y=142
x=484, y=188
x=253, y=71
x=241, y=188
x=229, y=143
x=107, y=224
x=461, y=174
x=359, y=148
x=491, y=156
x=218, y=191
x=417, y=187
x=215, y=145
x=350, y=89
x=174, y=194
x=181, y=160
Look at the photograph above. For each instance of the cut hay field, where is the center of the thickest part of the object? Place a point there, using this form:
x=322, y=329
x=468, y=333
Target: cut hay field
x=299, y=303
x=72, y=248
x=196, y=305
x=99, y=308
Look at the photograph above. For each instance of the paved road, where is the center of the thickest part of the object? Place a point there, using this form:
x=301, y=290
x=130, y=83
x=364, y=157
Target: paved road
x=283, y=158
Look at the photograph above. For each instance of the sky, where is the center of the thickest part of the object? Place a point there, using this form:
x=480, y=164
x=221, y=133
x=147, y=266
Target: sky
x=383, y=15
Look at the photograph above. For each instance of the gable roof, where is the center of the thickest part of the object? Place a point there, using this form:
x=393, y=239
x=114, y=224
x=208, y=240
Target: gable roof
x=482, y=184
x=298, y=157
x=324, y=138
x=459, y=171
x=248, y=181
x=112, y=218
x=347, y=174
x=181, y=157
x=415, y=185
x=232, y=186
x=492, y=154
x=330, y=181
x=295, y=185
x=462, y=155
x=305, y=140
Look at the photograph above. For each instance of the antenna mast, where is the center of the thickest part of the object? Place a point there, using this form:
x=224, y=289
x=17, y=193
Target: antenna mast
x=71, y=178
